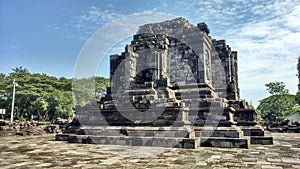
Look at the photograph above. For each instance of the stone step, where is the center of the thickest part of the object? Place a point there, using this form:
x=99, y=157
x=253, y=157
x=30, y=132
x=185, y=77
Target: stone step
x=246, y=123
x=129, y=117
x=220, y=142
x=171, y=142
x=257, y=135
x=252, y=130
x=195, y=85
x=225, y=137
x=135, y=131
x=219, y=133
x=216, y=123
x=231, y=132
x=264, y=140
x=223, y=142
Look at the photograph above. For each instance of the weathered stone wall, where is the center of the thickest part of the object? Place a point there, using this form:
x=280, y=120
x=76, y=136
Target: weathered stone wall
x=225, y=70
x=178, y=49
x=190, y=35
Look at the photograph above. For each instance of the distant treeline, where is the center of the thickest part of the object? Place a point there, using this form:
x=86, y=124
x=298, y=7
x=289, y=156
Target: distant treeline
x=42, y=97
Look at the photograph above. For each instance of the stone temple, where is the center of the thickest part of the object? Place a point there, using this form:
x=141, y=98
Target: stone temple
x=173, y=86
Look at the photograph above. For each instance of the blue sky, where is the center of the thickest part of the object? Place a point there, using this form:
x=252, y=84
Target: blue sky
x=47, y=36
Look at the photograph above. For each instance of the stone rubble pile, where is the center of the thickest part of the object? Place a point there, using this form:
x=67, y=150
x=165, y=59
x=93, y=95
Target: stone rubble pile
x=20, y=128
x=285, y=126
x=58, y=125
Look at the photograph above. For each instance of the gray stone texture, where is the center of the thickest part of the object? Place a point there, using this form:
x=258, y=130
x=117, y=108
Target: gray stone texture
x=172, y=74
x=42, y=152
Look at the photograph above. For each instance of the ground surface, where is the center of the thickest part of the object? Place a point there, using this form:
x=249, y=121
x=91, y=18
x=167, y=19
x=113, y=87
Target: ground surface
x=44, y=152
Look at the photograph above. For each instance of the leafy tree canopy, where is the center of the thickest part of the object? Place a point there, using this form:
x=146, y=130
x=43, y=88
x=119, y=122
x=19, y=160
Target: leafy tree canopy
x=276, y=88
x=298, y=97
x=277, y=106
x=41, y=97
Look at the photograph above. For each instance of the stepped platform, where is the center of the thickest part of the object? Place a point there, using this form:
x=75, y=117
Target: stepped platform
x=246, y=120
x=178, y=137
x=228, y=132
x=257, y=135
x=171, y=142
x=222, y=137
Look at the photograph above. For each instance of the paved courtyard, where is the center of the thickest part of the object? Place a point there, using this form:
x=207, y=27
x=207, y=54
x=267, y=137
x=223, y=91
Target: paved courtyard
x=44, y=152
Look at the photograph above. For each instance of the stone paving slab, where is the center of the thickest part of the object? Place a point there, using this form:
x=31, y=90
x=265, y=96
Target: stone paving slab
x=44, y=152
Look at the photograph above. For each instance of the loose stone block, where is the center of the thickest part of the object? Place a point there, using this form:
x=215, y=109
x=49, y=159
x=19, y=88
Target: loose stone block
x=224, y=142
x=61, y=137
x=261, y=140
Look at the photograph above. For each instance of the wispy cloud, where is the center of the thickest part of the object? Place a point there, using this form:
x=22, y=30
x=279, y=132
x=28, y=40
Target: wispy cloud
x=54, y=26
x=98, y=16
x=268, y=47
x=265, y=33
x=90, y=20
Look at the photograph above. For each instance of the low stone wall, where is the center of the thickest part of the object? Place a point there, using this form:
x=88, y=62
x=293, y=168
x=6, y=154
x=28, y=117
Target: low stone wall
x=285, y=126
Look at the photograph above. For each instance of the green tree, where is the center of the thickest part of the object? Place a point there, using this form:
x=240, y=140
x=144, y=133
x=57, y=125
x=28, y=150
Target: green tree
x=37, y=95
x=3, y=98
x=298, y=74
x=101, y=84
x=89, y=90
x=20, y=71
x=84, y=90
x=277, y=88
x=45, y=97
x=277, y=106
x=297, y=97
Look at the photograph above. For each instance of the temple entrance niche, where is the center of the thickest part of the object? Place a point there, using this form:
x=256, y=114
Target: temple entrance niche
x=163, y=60
x=151, y=65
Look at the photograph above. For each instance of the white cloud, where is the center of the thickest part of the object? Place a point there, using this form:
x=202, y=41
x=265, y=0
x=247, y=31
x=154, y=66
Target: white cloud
x=93, y=18
x=268, y=48
x=265, y=33
x=98, y=15
x=54, y=26
x=292, y=19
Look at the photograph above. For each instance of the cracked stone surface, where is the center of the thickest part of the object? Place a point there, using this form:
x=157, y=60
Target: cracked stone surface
x=44, y=152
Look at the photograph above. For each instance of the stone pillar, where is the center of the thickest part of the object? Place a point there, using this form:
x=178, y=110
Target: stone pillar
x=183, y=115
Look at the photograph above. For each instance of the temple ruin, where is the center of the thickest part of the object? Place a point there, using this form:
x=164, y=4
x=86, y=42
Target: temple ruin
x=173, y=86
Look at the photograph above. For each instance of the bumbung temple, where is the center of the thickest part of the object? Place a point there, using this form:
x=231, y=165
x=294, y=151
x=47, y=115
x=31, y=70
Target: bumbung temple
x=173, y=86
